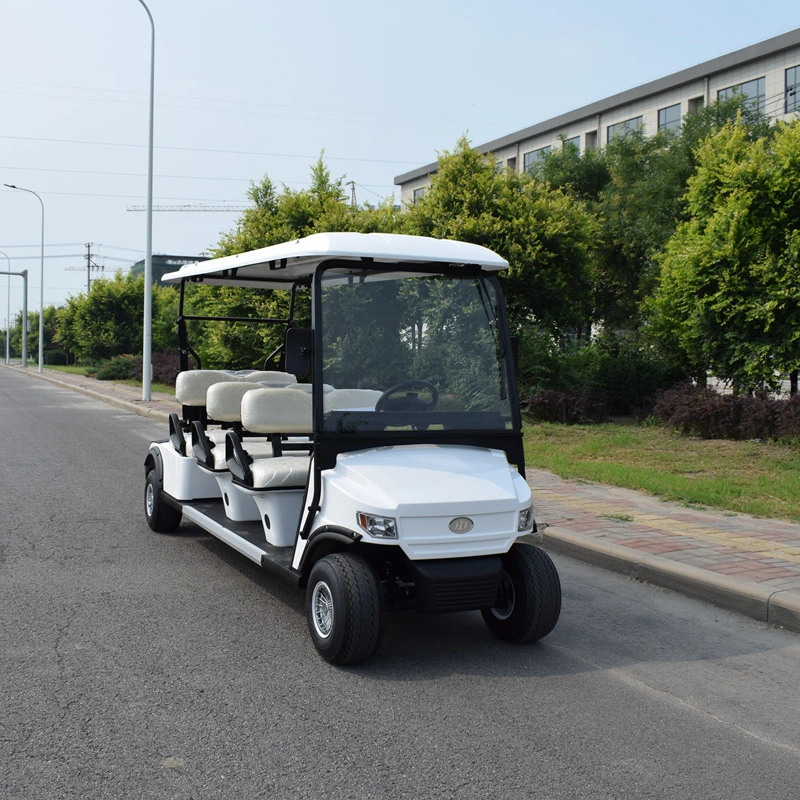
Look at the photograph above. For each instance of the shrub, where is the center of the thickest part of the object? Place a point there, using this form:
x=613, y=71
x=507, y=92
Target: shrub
x=789, y=419
x=574, y=408
x=612, y=376
x=166, y=366
x=118, y=368
x=705, y=413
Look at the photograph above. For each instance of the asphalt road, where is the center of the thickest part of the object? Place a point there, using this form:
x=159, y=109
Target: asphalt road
x=138, y=665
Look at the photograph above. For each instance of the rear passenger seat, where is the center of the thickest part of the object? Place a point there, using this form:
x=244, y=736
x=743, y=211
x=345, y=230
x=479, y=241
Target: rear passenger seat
x=224, y=405
x=191, y=391
x=276, y=412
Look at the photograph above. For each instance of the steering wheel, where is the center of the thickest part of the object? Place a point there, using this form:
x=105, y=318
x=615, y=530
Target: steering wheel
x=411, y=401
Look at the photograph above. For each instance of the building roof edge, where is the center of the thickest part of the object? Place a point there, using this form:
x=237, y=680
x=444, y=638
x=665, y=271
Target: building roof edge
x=707, y=68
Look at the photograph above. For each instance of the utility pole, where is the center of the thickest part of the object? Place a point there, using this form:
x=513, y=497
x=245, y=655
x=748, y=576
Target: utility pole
x=352, y=185
x=90, y=265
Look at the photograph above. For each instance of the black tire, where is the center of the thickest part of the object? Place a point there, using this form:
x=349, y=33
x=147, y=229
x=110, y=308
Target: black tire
x=345, y=609
x=529, y=600
x=161, y=517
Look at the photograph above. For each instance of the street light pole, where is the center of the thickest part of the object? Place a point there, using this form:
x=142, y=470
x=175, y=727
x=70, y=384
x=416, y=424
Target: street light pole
x=8, y=309
x=147, y=348
x=41, y=280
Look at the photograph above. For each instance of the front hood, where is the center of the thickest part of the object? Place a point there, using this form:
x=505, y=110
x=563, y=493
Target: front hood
x=398, y=479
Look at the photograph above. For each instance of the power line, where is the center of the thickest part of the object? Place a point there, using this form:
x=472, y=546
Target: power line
x=228, y=101
x=207, y=150
x=190, y=207
x=142, y=175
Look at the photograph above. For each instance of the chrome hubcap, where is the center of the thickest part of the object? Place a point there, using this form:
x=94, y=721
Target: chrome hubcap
x=505, y=598
x=322, y=610
x=149, y=499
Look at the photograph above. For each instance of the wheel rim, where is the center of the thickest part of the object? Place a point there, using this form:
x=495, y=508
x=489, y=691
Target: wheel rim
x=505, y=598
x=149, y=499
x=322, y=610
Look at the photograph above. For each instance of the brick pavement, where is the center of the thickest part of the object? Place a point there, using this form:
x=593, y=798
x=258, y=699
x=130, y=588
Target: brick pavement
x=704, y=552
x=736, y=561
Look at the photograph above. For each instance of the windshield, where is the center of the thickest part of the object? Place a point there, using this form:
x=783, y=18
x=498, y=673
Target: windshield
x=420, y=353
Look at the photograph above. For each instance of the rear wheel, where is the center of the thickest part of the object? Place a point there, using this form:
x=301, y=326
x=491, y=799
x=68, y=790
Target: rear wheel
x=161, y=517
x=345, y=609
x=529, y=600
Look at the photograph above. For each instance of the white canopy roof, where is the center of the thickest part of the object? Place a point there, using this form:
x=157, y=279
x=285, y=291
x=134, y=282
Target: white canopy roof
x=282, y=264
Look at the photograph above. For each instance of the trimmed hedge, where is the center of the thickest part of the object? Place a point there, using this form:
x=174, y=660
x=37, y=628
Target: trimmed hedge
x=710, y=415
x=166, y=365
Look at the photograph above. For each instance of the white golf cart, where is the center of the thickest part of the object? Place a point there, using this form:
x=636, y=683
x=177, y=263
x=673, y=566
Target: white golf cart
x=391, y=475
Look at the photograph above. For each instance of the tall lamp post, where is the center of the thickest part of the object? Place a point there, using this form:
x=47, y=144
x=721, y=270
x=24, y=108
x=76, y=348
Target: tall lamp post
x=147, y=366
x=41, y=279
x=8, y=309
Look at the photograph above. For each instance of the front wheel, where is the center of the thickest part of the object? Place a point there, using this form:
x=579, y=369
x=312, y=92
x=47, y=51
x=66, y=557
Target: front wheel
x=529, y=600
x=160, y=517
x=345, y=609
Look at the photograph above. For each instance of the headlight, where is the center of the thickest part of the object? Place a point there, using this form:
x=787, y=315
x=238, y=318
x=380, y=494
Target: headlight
x=525, y=519
x=379, y=527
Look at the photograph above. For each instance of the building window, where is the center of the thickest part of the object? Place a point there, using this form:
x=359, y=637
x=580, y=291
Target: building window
x=534, y=157
x=511, y=164
x=669, y=118
x=418, y=195
x=792, y=89
x=575, y=141
x=624, y=128
x=591, y=140
x=755, y=92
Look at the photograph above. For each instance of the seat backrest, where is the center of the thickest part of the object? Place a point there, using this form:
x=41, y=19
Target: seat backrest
x=273, y=378
x=306, y=387
x=355, y=399
x=224, y=400
x=271, y=410
x=192, y=385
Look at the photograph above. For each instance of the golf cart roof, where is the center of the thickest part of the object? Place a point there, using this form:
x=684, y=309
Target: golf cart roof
x=280, y=265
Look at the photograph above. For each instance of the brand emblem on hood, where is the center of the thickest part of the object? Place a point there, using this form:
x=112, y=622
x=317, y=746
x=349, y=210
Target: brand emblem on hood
x=461, y=525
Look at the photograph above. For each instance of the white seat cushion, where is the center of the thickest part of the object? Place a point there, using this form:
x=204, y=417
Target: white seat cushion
x=276, y=411
x=192, y=385
x=351, y=399
x=284, y=472
x=271, y=378
x=224, y=400
x=306, y=387
x=256, y=449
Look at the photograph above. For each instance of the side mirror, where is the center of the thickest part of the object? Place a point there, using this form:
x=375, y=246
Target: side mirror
x=299, y=350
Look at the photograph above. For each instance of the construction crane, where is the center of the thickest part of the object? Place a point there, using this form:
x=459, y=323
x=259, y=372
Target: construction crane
x=192, y=208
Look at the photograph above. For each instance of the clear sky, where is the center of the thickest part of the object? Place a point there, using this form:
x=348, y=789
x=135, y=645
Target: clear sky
x=245, y=88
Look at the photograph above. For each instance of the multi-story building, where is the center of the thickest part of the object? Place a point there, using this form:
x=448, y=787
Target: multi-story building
x=768, y=73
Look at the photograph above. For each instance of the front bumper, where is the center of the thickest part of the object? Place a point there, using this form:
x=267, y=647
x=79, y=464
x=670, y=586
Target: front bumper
x=461, y=584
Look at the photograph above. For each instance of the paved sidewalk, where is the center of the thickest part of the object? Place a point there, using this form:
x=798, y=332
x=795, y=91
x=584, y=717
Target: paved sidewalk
x=737, y=562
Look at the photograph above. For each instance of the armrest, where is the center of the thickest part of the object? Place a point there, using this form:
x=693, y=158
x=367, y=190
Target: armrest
x=237, y=459
x=202, y=446
x=176, y=434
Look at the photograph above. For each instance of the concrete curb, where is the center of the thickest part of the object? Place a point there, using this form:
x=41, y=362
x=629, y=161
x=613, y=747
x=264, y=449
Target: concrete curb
x=774, y=608
x=780, y=608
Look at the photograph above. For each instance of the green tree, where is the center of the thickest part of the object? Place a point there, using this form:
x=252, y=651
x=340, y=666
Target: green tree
x=275, y=217
x=729, y=292
x=635, y=187
x=545, y=234
x=107, y=321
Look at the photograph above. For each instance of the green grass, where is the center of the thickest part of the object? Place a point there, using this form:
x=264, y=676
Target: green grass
x=70, y=370
x=155, y=386
x=746, y=477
